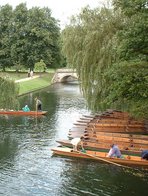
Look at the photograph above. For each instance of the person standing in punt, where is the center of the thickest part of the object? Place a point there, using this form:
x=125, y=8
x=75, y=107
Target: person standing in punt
x=114, y=151
x=38, y=104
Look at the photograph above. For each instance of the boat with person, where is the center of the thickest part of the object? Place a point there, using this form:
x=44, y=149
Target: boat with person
x=127, y=160
x=22, y=113
x=91, y=144
x=109, y=138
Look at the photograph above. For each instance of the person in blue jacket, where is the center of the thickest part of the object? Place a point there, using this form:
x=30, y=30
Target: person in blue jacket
x=114, y=151
x=26, y=108
x=144, y=154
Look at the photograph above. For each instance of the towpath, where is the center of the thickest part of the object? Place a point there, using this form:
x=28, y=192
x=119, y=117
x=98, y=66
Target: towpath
x=26, y=79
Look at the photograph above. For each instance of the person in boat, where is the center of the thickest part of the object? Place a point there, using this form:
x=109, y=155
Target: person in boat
x=38, y=104
x=144, y=154
x=77, y=141
x=26, y=108
x=114, y=151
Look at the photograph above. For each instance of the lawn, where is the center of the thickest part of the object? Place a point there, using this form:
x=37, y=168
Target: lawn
x=30, y=85
x=14, y=75
x=35, y=84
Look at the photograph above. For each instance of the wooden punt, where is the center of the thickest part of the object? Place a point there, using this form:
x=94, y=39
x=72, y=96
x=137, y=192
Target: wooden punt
x=92, y=133
x=101, y=156
x=111, y=138
x=131, y=136
x=117, y=139
x=20, y=112
x=110, y=114
x=122, y=129
x=80, y=124
x=93, y=145
x=120, y=126
x=115, y=120
x=116, y=125
x=113, y=128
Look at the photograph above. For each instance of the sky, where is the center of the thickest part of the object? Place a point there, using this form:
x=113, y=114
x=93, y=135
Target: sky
x=61, y=9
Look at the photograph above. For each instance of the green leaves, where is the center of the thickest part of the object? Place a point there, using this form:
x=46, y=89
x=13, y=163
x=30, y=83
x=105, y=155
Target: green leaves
x=108, y=48
x=28, y=36
x=9, y=94
x=40, y=66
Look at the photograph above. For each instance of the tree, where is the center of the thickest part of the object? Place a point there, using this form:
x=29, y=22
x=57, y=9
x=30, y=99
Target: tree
x=28, y=36
x=5, y=33
x=9, y=94
x=40, y=66
x=89, y=43
x=42, y=37
x=131, y=65
x=108, y=48
x=18, y=37
x=133, y=36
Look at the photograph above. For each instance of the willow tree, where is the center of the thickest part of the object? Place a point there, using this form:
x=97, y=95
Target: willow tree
x=89, y=44
x=109, y=49
x=9, y=94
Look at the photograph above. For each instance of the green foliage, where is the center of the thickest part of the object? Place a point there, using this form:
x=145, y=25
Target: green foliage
x=5, y=33
x=18, y=67
x=128, y=86
x=9, y=94
x=89, y=45
x=28, y=36
x=40, y=66
x=108, y=48
x=133, y=36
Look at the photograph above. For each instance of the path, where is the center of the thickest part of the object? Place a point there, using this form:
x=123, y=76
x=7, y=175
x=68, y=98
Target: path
x=26, y=79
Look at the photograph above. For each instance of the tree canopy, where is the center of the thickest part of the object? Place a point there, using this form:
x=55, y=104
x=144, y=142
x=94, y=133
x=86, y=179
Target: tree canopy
x=28, y=35
x=108, y=48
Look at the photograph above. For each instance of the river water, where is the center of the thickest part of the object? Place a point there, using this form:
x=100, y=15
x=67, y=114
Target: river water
x=28, y=168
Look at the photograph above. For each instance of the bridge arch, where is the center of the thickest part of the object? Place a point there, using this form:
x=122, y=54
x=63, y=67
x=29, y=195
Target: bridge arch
x=64, y=75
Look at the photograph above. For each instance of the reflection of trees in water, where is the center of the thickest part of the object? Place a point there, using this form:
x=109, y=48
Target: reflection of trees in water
x=8, y=148
x=48, y=97
x=86, y=177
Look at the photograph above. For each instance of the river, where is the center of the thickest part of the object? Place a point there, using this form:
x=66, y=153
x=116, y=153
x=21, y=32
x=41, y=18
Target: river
x=28, y=168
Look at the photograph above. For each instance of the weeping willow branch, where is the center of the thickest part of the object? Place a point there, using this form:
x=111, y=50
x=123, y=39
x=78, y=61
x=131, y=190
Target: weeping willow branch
x=9, y=94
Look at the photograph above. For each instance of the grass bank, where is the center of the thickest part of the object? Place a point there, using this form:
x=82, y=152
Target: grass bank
x=30, y=85
x=35, y=84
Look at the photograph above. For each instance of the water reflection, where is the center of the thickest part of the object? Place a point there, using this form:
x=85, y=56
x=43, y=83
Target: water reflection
x=27, y=166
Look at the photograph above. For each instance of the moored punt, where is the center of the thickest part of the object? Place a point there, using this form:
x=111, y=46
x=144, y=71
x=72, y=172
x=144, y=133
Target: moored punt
x=99, y=146
x=112, y=130
x=21, y=112
x=110, y=114
x=125, y=135
x=115, y=120
x=117, y=125
x=101, y=156
x=80, y=124
x=117, y=139
x=115, y=129
x=110, y=140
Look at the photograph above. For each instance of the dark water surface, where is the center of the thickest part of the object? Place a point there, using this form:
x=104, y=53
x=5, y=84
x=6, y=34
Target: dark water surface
x=27, y=167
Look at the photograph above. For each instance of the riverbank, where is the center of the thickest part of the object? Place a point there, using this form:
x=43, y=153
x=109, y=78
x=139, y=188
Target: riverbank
x=30, y=84
x=35, y=83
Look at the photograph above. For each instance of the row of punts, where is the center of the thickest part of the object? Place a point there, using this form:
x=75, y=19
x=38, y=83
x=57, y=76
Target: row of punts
x=100, y=131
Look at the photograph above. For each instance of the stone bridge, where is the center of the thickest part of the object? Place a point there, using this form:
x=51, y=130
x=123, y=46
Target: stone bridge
x=64, y=75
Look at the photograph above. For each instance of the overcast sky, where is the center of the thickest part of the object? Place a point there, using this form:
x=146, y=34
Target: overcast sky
x=61, y=9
